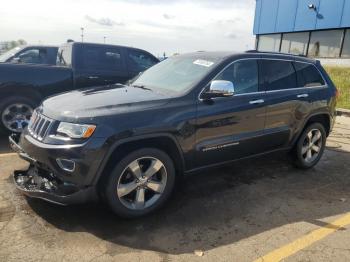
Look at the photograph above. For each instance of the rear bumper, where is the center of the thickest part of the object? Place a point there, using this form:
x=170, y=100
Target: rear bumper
x=41, y=181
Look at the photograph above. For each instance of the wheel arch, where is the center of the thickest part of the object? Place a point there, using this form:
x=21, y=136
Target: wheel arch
x=322, y=117
x=27, y=92
x=119, y=149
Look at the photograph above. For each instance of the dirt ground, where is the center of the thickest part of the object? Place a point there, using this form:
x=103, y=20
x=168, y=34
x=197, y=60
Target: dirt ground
x=261, y=209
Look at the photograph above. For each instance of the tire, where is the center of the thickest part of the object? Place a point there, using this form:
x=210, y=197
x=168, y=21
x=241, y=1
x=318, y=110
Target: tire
x=156, y=188
x=305, y=153
x=22, y=107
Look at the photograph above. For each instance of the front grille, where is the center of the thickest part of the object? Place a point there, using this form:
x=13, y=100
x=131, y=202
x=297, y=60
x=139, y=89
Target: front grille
x=39, y=125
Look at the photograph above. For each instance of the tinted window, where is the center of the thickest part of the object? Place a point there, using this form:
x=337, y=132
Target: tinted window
x=31, y=56
x=140, y=61
x=243, y=75
x=101, y=58
x=308, y=75
x=279, y=74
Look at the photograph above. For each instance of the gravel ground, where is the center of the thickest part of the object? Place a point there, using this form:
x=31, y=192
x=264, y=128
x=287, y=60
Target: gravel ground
x=235, y=213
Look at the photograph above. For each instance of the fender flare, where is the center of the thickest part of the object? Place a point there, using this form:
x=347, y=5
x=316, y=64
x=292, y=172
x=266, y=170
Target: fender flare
x=121, y=142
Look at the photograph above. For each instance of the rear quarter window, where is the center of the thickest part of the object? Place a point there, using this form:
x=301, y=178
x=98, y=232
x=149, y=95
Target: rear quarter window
x=308, y=75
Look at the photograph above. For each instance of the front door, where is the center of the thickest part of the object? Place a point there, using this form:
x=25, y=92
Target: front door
x=232, y=127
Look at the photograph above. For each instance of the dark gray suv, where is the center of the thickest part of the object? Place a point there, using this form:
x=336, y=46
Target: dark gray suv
x=127, y=144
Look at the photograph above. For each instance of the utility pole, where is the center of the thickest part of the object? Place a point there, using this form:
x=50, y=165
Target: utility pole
x=82, y=34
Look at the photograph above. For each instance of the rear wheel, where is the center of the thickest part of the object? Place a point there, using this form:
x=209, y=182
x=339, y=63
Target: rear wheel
x=310, y=146
x=140, y=183
x=15, y=113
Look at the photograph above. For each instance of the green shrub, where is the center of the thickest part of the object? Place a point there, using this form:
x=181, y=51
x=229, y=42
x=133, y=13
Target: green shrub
x=341, y=78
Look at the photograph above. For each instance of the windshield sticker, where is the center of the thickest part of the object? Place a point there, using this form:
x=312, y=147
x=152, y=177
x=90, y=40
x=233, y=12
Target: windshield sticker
x=203, y=63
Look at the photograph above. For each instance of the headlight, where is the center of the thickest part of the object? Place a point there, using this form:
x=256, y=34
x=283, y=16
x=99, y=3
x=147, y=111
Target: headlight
x=76, y=130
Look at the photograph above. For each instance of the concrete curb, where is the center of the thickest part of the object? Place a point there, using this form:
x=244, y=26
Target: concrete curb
x=343, y=112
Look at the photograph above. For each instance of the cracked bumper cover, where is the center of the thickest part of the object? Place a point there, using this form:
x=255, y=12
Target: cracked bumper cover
x=36, y=182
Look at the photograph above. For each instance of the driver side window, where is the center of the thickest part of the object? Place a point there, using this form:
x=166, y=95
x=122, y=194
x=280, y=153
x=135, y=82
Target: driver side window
x=244, y=76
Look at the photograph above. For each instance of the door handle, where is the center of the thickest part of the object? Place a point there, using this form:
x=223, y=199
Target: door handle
x=93, y=77
x=302, y=95
x=254, y=102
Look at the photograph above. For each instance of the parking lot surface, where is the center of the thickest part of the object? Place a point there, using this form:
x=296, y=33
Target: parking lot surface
x=259, y=209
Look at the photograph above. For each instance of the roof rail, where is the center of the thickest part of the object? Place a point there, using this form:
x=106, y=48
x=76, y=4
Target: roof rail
x=273, y=53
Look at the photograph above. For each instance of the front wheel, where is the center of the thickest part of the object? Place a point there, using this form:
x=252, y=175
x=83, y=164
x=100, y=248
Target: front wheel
x=310, y=146
x=140, y=183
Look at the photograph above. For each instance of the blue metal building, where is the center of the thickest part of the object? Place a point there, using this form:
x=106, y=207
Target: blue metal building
x=316, y=28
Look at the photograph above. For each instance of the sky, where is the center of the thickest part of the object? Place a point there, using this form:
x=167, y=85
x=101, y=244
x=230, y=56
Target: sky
x=171, y=26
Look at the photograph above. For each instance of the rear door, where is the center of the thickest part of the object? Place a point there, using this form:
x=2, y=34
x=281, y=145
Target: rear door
x=100, y=65
x=232, y=127
x=287, y=102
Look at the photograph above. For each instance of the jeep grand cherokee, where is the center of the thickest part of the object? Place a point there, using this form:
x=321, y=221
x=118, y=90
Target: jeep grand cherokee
x=127, y=144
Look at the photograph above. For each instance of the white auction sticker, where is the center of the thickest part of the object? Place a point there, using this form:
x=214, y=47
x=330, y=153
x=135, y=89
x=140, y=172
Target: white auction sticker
x=203, y=63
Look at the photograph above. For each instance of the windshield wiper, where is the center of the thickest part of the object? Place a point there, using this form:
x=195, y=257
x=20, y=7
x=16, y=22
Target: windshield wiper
x=141, y=86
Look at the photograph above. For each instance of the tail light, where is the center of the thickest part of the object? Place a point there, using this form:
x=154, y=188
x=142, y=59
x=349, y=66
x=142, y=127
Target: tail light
x=337, y=94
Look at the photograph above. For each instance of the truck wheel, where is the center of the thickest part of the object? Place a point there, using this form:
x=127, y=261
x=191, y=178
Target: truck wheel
x=140, y=183
x=15, y=113
x=310, y=146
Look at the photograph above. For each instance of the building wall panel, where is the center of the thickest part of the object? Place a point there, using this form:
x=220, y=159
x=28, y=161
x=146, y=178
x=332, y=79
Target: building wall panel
x=286, y=15
x=329, y=14
x=345, y=21
x=276, y=16
x=305, y=18
x=268, y=15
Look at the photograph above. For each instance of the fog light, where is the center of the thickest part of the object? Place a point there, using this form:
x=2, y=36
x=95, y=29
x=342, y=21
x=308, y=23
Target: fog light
x=65, y=164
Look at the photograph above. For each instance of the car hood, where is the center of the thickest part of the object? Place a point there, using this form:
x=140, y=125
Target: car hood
x=101, y=101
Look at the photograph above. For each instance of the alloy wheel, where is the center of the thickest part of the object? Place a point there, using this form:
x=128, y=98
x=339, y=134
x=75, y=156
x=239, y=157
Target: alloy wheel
x=142, y=183
x=312, y=146
x=15, y=117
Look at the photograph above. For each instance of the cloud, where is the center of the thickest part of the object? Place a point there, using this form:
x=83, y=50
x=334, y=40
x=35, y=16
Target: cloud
x=155, y=25
x=167, y=16
x=231, y=35
x=105, y=21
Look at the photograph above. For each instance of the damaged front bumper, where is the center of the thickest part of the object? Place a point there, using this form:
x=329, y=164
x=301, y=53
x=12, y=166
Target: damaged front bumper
x=39, y=182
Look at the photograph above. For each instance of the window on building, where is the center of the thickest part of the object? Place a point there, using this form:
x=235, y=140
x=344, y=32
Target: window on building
x=295, y=43
x=269, y=43
x=346, y=46
x=308, y=75
x=279, y=75
x=325, y=43
x=243, y=75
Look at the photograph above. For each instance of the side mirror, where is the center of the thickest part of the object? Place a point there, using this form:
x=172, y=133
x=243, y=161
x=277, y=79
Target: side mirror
x=219, y=88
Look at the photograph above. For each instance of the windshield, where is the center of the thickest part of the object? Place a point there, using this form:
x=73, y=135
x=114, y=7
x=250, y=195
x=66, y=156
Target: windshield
x=9, y=54
x=175, y=74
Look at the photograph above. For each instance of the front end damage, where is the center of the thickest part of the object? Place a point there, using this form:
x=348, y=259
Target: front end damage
x=38, y=181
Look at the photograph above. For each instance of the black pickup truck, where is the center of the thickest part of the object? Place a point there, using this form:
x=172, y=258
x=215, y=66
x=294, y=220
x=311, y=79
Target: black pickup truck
x=78, y=65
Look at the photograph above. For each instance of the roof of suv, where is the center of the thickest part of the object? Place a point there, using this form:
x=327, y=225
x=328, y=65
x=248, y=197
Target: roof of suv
x=251, y=53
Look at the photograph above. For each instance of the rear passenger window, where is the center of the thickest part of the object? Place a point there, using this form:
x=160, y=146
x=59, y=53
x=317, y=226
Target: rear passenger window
x=102, y=58
x=139, y=60
x=279, y=75
x=308, y=75
x=243, y=74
